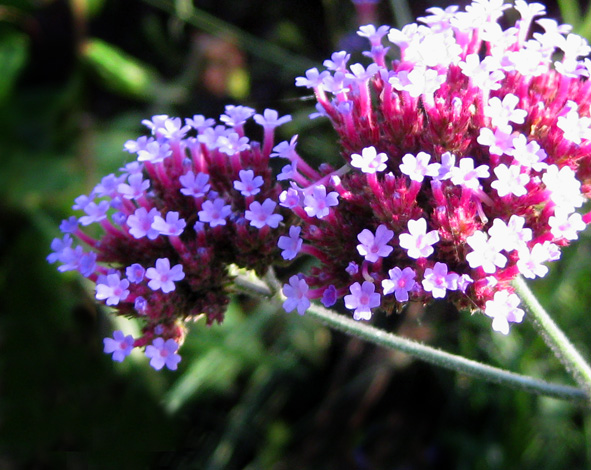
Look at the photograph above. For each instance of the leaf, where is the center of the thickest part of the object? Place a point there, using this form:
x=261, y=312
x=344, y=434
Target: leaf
x=119, y=71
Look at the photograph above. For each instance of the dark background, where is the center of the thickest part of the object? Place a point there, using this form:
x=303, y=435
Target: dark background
x=265, y=390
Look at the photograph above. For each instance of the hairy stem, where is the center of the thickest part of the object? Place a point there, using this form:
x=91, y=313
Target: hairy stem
x=562, y=348
x=421, y=351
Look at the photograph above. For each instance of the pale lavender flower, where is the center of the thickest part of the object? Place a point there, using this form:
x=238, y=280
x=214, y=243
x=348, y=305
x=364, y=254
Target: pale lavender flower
x=401, y=282
x=373, y=247
x=140, y=223
x=214, y=213
x=362, y=299
x=485, y=254
x=318, y=203
x=162, y=276
x=416, y=168
x=297, y=295
x=437, y=280
x=194, y=185
x=163, y=354
x=249, y=184
x=172, y=226
x=260, y=215
x=135, y=273
x=120, y=345
x=291, y=244
x=113, y=289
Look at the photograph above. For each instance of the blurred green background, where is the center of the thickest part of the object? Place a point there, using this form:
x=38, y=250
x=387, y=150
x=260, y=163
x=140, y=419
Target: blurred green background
x=265, y=390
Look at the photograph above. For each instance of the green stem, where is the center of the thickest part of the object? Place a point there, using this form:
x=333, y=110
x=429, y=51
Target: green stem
x=422, y=351
x=200, y=19
x=562, y=348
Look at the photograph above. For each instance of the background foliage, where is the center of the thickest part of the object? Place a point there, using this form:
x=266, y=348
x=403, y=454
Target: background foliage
x=265, y=389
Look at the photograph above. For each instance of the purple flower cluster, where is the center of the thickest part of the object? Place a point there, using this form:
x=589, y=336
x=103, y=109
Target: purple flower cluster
x=466, y=160
x=199, y=197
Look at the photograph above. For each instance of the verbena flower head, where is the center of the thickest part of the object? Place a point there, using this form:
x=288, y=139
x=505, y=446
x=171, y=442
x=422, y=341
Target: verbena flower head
x=158, y=239
x=469, y=143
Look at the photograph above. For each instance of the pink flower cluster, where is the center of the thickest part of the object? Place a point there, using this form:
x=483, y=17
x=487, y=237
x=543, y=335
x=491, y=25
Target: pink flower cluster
x=466, y=160
x=199, y=197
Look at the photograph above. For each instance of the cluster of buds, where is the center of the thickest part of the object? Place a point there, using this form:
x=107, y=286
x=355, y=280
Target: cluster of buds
x=465, y=161
x=161, y=235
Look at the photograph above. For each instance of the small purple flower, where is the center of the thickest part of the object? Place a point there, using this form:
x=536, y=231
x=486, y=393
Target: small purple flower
x=96, y=212
x=270, y=119
x=438, y=281
x=288, y=172
x=292, y=244
x=565, y=225
x=155, y=152
x=329, y=296
x=59, y=245
x=140, y=223
x=401, y=282
x=369, y=161
x=285, y=149
x=69, y=225
x=249, y=184
x=297, y=295
x=232, y=143
x=172, y=226
x=113, y=289
x=215, y=212
x=418, y=242
x=135, y=273
x=290, y=198
x=140, y=305
x=236, y=115
x=352, y=268
x=77, y=260
x=260, y=215
x=375, y=247
x=163, y=276
x=136, y=188
x=318, y=203
x=194, y=185
x=163, y=354
x=503, y=310
x=362, y=299
x=120, y=345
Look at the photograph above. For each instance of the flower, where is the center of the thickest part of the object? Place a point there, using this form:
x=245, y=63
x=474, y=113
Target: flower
x=297, y=295
x=291, y=244
x=120, y=346
x=163, y=276
x=400, y=282
x=112, y=289
x=362, y=299
x=418, y=242
x=163, y=353
x=486, y=167
x=375, y=247
x=159, y=238
x=503, y=310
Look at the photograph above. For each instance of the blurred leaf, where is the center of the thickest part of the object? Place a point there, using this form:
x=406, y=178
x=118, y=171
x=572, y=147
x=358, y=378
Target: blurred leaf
x=120, y=72
x=13, y=56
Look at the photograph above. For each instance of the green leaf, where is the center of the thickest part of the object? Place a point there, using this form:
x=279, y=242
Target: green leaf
x=120, y=72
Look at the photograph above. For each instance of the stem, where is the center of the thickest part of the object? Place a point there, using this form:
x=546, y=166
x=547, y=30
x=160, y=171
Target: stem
x=562, y=348
x=422, y=351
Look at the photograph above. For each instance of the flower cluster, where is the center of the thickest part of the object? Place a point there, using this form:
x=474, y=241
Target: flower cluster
x=157, y=239
x=466, y=159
